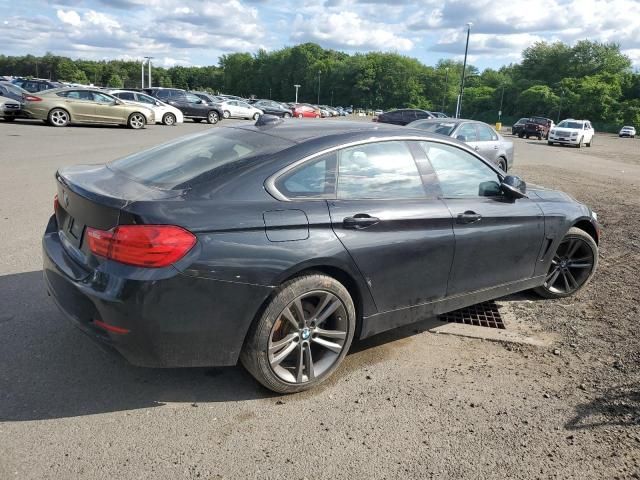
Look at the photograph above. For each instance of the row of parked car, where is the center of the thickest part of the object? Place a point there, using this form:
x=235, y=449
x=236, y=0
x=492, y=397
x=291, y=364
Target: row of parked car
x=60, y=105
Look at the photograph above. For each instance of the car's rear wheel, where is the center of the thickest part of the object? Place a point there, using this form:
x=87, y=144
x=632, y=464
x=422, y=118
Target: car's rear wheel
x=136, y=121
x=502, y=164
x=287, y=115
x=9, y=119
x=226, y=114
x=549, y=143
x=572, y=267
x=59, y=117
x=302, y=336
x=521, y=135
x=300, y=115
x=213, y=117
x=169, y=119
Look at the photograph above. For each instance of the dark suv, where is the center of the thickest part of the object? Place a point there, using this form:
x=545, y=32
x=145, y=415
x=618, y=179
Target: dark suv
x=190, y=105
x=536, y=127
x=403, y=116
x=34, y=85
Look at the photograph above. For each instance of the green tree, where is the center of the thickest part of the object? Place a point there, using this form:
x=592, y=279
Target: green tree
x=115, y=81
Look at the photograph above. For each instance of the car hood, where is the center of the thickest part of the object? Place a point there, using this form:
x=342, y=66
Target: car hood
x=537, y=192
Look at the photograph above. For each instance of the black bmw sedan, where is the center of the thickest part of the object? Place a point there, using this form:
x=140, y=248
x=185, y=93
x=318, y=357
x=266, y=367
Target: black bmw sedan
x=277, y=244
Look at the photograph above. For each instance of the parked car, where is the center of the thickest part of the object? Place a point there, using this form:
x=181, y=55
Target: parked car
x=627, y=131
x=34, y=85
x=239, y=109
x=538, y=127
x=272, y=108
x=403, y=116
x=190, y=105
x=232, y=97
x=60, y=107
x=478, y=135
x=305, y=110
x=518, y=127
x=12, y=91
x=10, y=109
x=209, y=98
x=163, y=112
x=248, y=265
x=439, y=115
x=572, y=132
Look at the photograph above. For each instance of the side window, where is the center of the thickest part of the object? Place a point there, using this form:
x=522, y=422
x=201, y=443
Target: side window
x=467, y=133
x=80, y=95
x=378, y=170
x=101, y=98
x=193, y=98
x=408, y=116
x=163, y=94
x=485, y=134
x=422, y=115
x=461, y=174
x=145, y=99
x=125, y=96
x=313, y=179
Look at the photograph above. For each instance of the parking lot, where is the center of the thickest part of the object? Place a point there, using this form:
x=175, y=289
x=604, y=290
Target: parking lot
x=406, y=404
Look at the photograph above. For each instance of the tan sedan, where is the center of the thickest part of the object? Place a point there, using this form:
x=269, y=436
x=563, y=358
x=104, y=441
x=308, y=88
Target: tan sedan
x=61, y=106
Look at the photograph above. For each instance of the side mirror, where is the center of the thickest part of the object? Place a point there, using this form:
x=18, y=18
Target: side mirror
x=514, y=187
x=117, y=102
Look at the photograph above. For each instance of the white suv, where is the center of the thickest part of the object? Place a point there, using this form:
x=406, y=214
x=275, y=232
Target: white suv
x=572, y=132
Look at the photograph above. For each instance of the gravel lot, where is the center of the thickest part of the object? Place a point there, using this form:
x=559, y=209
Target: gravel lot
x=407, y=404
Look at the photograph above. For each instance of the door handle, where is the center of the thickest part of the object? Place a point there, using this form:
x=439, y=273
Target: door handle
x=468, y=217
x=359, y=220
x=495, y=148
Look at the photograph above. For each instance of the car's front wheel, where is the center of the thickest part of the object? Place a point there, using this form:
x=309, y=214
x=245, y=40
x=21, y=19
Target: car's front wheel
x=136, y=121
x=572, y=266
x=302, y=336
x=212, y=117
x=169, y=119
x=226, y=114
x=590, y=142
x=502, y=164
x=256, y=116
x=287, y=115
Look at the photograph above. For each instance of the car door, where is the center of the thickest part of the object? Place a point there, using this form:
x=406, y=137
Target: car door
x=408, y=116
x=80, y=105
x=196, y=105
x=399, y=234
x=497, y=239
x=245, y=110
x=179, y=100
x=467, y=133
x=107, y=111
x=488, y=143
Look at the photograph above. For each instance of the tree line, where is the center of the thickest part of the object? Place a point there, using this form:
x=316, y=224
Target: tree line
x=588, y=80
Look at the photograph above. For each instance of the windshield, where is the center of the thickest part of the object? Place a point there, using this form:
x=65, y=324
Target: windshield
x=443, y=128
x=15, y=89
x=567, y=124
x=197, y=158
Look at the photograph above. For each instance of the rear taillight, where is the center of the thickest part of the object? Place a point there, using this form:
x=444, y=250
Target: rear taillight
x=56, y=204
x=151, y=246
x=31, y=98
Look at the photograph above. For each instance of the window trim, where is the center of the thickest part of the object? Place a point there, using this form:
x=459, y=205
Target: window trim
x=270, y=182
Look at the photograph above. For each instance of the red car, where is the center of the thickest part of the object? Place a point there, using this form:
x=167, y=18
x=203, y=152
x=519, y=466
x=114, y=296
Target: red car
x=302, y=110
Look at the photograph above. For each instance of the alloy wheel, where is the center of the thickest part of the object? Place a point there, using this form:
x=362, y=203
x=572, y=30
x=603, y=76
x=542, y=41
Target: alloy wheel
x=571, y=266
x=308, y=337
x=136, y=121
x=59, y=118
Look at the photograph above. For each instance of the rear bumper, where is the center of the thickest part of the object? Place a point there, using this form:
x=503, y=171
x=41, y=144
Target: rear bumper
x=173, y=320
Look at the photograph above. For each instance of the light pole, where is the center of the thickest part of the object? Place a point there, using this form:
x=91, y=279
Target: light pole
x=149, y=59
x=464, y=67
x=501, y=100
x=446, y=83
x=319, y=72
x=332, y=98
x=297, y=87
x=142, y=78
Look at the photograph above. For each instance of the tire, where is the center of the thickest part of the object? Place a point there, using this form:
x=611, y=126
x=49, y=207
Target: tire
x=58, y=117
x=578, y=249
x=226, y=114
x=502, y=164
x=213, y=117
x=590, y=142
x=136, y=121
x=579, y=145
x=9, y=119
x=317, y=116
x=286, y=358
x=169, y=119
x=286, y=115
x=256, y=116
x=300, y=115
x=539, y=137
x=521, y=135
x=549, y=143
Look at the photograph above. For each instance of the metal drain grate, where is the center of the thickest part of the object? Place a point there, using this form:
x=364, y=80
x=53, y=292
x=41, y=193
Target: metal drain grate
x=481, y=315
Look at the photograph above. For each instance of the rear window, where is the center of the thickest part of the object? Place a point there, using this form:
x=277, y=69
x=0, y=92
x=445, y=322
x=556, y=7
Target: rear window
x=198, y=158
x=443, y=128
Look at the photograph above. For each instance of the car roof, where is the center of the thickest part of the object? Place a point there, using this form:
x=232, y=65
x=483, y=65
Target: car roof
x=299, y=132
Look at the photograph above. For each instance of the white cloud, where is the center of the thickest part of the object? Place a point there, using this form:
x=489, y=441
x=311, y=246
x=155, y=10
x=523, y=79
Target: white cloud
x=347, y=30
x=71, y=17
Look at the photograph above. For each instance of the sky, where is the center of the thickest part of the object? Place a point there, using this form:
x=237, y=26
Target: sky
x=197, y=32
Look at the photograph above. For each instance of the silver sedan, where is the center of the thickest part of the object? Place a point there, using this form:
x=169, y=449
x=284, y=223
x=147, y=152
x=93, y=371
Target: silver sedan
x=480, y=136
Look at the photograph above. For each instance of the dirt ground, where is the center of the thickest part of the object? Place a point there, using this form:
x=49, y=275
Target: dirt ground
x=406, y=404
